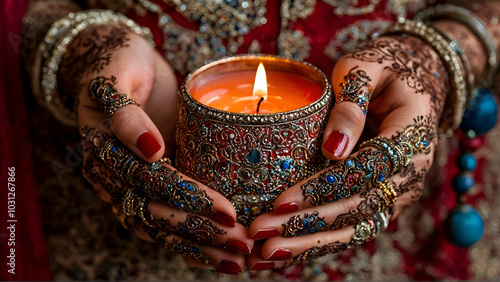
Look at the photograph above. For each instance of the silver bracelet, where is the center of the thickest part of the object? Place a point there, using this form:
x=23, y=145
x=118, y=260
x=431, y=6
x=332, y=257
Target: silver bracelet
x=474, y=24
x=54, y=46
x=452, y=63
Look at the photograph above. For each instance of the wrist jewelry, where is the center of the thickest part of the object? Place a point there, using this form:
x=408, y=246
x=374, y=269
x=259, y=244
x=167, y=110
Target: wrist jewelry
x=475, y=25
x=54, y=46
x=451, y=61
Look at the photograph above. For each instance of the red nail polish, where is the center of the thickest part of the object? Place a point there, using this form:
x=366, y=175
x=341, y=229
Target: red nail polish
x=261, y=265
x=148, y=144
x=223, y=218
x=238, y=246
x=229, y=267
x=280, y=254
x=265, y=233
x=226, y=269
x=284, y=208
x=336, y=143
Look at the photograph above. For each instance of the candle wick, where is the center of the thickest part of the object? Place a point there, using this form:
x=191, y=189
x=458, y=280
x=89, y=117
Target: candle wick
x=258, y=104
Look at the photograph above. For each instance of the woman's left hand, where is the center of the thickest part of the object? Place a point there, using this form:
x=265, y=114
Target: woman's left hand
x=405, y=82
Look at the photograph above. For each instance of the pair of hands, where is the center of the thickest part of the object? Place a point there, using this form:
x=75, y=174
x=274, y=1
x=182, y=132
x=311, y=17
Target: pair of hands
x=408, y=86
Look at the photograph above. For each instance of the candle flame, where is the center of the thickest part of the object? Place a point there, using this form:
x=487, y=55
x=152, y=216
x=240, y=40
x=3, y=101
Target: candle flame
x=260, y=85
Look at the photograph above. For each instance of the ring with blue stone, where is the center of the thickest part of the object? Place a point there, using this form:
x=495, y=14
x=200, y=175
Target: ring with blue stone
x=308, y=224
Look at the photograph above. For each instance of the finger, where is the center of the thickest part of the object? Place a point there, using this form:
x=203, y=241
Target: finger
x=255, y=261
x=353, y=85
x=128, y=120
x=225, y=261
x=369, y=165
x=286, y=251
x=199, y=228
x=337, y=215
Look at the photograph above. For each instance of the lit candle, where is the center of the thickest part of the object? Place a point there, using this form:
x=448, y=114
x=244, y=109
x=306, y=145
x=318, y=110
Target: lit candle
x=242, y=91
x=251, y=158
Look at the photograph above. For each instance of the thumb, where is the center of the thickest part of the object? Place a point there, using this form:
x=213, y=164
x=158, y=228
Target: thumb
x=128, y=120
x=353, y=86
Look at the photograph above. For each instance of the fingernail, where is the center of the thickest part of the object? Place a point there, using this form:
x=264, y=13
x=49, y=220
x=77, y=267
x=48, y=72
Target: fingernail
x=238, y=246
x=229, y=267
x=284, y=208
x=280, y=254
x=261, y=265
x=265, y=233
x=337, y=143
x=224, y=218
x=148, y=144
x=226, y=269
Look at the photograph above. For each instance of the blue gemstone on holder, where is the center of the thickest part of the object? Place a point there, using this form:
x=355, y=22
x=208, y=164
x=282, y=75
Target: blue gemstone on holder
x=190, y=188
x=114, y=149
x=285, y=165
x=350, y=163
x=464, y=226
x=183, y=184
x=462, y=183
x=330, y=178
x=467, y=162
x=481, y=115
x=254, y=156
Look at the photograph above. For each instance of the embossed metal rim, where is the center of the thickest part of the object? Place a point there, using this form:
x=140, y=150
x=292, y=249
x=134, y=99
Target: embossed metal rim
x=257, y=119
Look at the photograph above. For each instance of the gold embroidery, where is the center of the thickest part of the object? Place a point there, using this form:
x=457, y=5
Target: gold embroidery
x=222, y=26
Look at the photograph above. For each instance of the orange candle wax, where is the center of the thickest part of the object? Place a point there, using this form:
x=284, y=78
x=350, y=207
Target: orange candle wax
x=233, y=92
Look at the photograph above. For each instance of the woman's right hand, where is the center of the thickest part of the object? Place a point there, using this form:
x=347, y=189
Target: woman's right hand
x=153, y=199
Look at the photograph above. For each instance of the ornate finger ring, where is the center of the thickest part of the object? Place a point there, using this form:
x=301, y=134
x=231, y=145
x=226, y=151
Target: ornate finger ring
x=309, y=224
x=102, y=90
x=364, y=231
x=381, y=222
x=356, y=89
x=388, y=195
x=135, y=205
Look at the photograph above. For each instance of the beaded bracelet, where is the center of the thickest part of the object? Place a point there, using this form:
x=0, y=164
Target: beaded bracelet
x=451, y=61
x=474, y=24
x=54, y=46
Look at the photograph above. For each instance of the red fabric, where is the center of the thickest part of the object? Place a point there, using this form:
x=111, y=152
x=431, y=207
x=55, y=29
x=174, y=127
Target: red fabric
x=31, y=256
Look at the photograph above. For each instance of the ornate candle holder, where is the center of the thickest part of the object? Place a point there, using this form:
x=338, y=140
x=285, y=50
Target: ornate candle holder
x=250, y=158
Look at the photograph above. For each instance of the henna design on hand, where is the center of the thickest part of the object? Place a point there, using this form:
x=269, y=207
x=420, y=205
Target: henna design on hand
x=412, y=60
x=348, y=177
x=315, y=252
x=183, y=247
x=194, y=228
x=309, y=224
x=89, y=53
x=157, y=180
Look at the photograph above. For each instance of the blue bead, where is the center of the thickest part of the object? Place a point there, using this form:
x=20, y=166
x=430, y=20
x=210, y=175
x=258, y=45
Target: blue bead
x=330, y=178
x=190, y=188
x=285, y=165
x=464, y=226
x=481, y=115
x=462, y=183
x=466, y=161
x=183, y=184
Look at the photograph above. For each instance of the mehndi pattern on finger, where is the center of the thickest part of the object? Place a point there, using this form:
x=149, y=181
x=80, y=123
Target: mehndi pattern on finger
x=194, y=228
x=309, y=224
x=315, y=252
x=356, y=89
x=157, y=180
x=348, y=177
x=370, y=167
x=183, y=247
